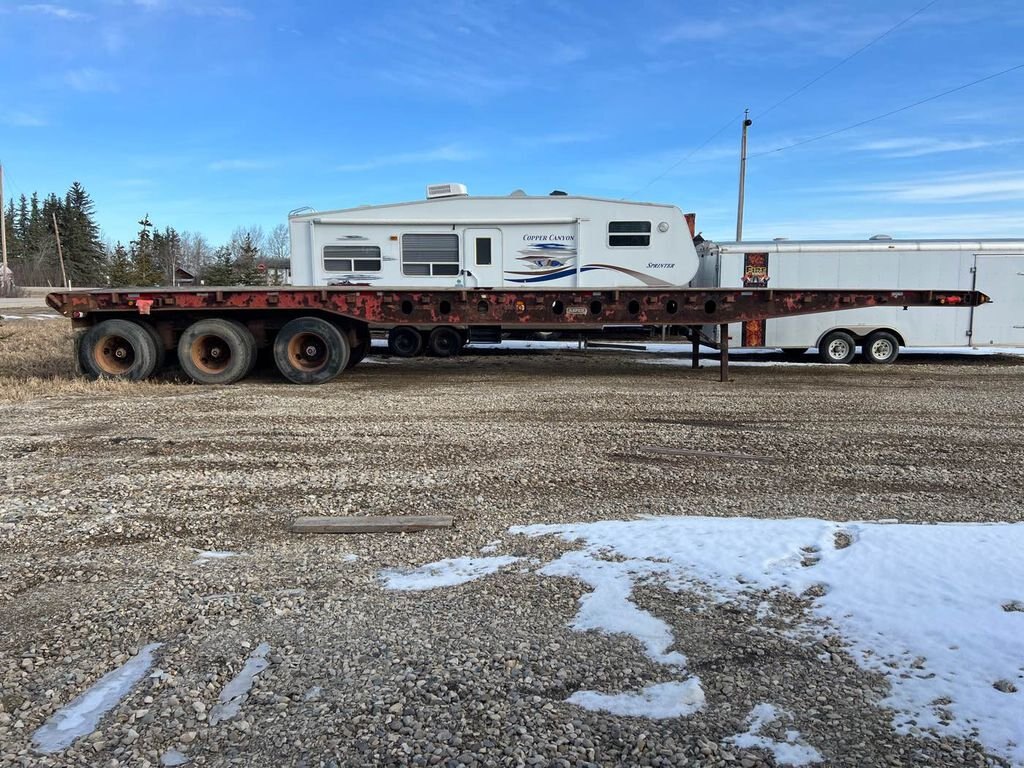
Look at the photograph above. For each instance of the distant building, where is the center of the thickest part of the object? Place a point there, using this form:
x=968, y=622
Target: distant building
x=183, y=277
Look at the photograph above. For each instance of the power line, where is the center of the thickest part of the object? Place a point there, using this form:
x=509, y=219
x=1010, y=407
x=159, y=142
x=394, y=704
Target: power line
x=692, y=152
x=888, y=114
x=859, y=51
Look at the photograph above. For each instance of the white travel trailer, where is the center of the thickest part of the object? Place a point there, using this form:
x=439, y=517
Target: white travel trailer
x=995, y=267
x=519, y=241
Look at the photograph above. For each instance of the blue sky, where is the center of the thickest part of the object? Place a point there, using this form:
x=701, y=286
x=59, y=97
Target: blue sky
x=209, y=115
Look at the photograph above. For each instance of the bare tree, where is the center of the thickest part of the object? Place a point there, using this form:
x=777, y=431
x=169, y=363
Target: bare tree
x=279, y=251
x=196, y=252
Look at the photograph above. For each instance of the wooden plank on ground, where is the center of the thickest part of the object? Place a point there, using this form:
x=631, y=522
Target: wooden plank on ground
x=704, y=454
x=379, y=524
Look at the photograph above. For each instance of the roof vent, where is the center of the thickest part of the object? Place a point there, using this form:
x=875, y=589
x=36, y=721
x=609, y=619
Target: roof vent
x=446, y=190
x=779, y=239
x=517, y=193
x=557, y=193
x=880, y=237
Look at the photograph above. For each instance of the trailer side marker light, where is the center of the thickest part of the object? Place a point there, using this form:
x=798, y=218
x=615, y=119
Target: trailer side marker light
x=951, y=300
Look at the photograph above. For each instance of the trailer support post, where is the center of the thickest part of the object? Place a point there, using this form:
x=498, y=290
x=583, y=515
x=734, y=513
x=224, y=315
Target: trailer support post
x=723, y=345
x=695, y=351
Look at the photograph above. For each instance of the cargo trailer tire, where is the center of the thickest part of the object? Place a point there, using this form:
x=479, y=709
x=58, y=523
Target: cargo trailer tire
x=117, y=349
x=405, y=341
x=837, y=347
x=444, y=341
x=216, y=351
x=310, y=350
x=881, y=348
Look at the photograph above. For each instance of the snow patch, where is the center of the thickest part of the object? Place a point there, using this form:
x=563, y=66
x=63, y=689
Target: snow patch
x=792, y=751
x=444, y=573
x=922, y=605
x=657, y=702
x=81, y=716
x=173, y=757
x=491, y=546
x=230, y=700
x=608, y=607
x=205, y=555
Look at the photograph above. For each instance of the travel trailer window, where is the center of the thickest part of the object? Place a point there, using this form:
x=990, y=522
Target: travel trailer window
x=351, y=258
x=430, y=255
x=629, y=234
x=483, y=251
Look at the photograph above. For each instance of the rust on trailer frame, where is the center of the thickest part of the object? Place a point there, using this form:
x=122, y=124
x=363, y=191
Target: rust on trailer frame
x=581, y=309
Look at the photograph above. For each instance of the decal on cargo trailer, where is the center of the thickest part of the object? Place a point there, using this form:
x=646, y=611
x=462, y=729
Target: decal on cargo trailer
x=755, y=275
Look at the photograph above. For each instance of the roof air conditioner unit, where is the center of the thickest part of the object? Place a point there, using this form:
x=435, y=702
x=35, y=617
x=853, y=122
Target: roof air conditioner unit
x=446, y=190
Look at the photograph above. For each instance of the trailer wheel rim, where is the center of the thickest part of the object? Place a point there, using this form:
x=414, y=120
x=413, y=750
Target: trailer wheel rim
x=308, y=351
x=881, y=349
x=210, y=353
x=839, y=349
x=114, y=355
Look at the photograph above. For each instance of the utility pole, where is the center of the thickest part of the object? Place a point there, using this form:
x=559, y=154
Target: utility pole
x=5, y=275
x=747, y=122
x=60, y=252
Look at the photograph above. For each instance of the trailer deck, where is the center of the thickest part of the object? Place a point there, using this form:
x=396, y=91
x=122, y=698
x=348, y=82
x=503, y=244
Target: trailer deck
x=317, y=332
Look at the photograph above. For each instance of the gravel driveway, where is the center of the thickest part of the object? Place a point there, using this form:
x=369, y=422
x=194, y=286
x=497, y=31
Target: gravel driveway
x=160, y=516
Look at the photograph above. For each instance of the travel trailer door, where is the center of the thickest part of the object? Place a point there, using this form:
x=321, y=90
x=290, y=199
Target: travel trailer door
x=1001, y=323
x=481, y=258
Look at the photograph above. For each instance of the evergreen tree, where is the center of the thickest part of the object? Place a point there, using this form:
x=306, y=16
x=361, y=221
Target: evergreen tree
x=247, y=265
x=146, y=271
x=120, y=270
x=22, y=224
x=221, y=271
x=80, y=237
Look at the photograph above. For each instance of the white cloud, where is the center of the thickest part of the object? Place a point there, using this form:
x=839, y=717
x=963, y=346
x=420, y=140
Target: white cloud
x=917, y=147
x=239, y=164
x=450, y=153
x=861, y=227
x=555, y=139
x=195, y=9
x=953, y=188
x=89, y=80
x=57, y=11
x=18, y=119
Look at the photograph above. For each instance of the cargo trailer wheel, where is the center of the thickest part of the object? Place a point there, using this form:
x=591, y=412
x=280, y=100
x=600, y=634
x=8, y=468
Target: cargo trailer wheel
x=837, y=347
x=405, y=341
x=881, y=348
x=444, y=341
x=309, y=350
x=117, y=349
x=216, y=351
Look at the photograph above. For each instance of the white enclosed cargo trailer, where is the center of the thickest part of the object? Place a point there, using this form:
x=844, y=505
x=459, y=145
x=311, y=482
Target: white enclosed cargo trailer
x=454, y=240
x=995, y=267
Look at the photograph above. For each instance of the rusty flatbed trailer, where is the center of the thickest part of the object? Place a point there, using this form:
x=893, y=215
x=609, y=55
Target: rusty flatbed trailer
x=317, y=332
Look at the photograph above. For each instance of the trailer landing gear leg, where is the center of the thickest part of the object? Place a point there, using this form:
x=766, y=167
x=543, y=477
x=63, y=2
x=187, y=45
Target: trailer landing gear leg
x=695, y=352
x=723, y=345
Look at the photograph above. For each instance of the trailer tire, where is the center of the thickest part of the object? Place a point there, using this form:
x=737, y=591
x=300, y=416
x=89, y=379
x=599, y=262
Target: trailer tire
x=216, y=351
x=357, y=353
x=881, y=348
x=117, y=349
x=444, y=341
x=405, y=341
x=159, y=348
x=310, y=350
x=837, y=347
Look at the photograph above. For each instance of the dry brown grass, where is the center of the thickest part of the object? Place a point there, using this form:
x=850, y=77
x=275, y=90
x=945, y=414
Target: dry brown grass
x=37, y=360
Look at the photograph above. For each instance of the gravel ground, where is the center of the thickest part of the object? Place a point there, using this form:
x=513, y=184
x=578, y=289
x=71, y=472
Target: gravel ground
x=111, y=494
